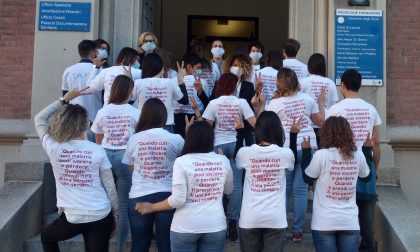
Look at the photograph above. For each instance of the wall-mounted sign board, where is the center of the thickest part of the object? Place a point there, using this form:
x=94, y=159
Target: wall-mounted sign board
x=64, y=16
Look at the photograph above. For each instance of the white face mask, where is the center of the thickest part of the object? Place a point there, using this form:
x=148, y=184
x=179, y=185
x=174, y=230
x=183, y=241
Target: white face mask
x=102, y=54
x=148, y=47
x=255, y=56
x=236, y=71
x=217, y=52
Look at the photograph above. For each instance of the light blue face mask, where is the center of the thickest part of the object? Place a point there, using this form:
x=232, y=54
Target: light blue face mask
x=136, y=65
x=198, y=72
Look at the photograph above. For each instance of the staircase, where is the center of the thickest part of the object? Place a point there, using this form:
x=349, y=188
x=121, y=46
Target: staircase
x=76, y=244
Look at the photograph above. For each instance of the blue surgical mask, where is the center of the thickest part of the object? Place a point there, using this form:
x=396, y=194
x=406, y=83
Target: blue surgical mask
x=148, y=47
x=136, y=65
x=198, y=72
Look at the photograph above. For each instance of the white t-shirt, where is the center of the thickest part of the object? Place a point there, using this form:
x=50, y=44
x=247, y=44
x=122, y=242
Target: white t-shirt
x=223, y=111
x=117, y=123
x=256, y=67
x=300, y=68
x=152, y=152
x=335, y=189
x=361, y=115
x=192, y=92
x=104, y=80
x=294, y=107
x=166, y=90
x=264, y=194
x=269, y=78
x=210, y=77
x=312, y=86
x=76, y=166
x=172, y=74
x=76, y=77
x=205, y=175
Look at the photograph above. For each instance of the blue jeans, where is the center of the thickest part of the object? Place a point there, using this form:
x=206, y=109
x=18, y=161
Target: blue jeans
x=204, y=242
x=235, y=199
x=299, y=189
x=341, y=241
x=122, y=178
x=142, y=225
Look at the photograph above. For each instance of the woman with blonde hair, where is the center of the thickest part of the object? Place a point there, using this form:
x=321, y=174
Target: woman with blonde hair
x=147, y=43
x=86, y=196
x=290, y=105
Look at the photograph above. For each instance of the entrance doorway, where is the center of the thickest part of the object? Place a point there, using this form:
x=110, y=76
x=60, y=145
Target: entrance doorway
x=235, y=32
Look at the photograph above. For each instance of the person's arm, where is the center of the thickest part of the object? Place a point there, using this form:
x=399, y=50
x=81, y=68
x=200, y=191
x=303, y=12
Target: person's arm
x=306, y=160
x=41, y=119
x=367, y=152
x=376, y=135
x=176, y=200
x=181, y=74
x=99, y=138
x=318, y=118
x=95, y=84
x=294, y=131
x=107, y=180
x=184, y=99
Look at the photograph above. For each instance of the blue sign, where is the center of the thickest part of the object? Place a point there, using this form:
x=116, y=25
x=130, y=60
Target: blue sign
x=64, y=16
x=359, y=45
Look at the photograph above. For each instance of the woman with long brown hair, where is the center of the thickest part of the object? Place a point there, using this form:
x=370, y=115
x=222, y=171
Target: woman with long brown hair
x=290, y=104
x=151, y=154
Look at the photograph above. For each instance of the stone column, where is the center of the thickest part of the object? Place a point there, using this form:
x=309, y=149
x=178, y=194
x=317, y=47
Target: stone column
x=308, y=24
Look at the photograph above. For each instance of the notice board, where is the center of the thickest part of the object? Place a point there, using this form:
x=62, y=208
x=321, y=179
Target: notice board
x=64, y=16
x=359, y=44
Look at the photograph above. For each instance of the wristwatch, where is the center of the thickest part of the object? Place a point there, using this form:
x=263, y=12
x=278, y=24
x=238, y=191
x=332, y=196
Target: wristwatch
x=63, y=101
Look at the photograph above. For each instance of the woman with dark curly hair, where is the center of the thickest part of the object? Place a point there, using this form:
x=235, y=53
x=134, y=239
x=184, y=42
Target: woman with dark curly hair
x=336, y=167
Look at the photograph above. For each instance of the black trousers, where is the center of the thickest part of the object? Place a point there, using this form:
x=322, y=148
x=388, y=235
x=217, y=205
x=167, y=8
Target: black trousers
x=96, y=234
x=366, y=222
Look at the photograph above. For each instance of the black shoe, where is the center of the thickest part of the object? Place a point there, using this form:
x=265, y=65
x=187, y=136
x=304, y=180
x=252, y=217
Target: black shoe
x=232, y=230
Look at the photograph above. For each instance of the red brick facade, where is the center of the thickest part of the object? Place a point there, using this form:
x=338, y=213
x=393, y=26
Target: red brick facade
x=403, y=62
x=17, y=21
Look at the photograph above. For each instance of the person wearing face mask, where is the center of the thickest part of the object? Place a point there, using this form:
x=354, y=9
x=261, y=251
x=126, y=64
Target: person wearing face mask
x=152, y=85
x=256, y=50
x=147, y=43
x=217, y=51
x=240, y=65
x=103, y=80
x=77, y=77
x=197, y=89
x=103, y=50
x=211, y=73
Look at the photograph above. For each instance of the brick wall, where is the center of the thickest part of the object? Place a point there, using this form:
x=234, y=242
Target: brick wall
x=17, y=21
x=403, y=62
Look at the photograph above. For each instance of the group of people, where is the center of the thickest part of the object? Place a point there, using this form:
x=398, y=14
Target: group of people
x=211, y=147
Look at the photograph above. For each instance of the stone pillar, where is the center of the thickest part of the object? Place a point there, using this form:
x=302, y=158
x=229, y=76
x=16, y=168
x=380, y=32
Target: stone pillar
x=308, y=24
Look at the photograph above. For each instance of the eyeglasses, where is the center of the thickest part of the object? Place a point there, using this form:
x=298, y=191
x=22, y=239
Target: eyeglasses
x=148, y=41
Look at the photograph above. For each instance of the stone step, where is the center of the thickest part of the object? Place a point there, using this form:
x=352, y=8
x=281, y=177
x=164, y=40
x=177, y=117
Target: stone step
x=20, y=206
x=76, y=244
